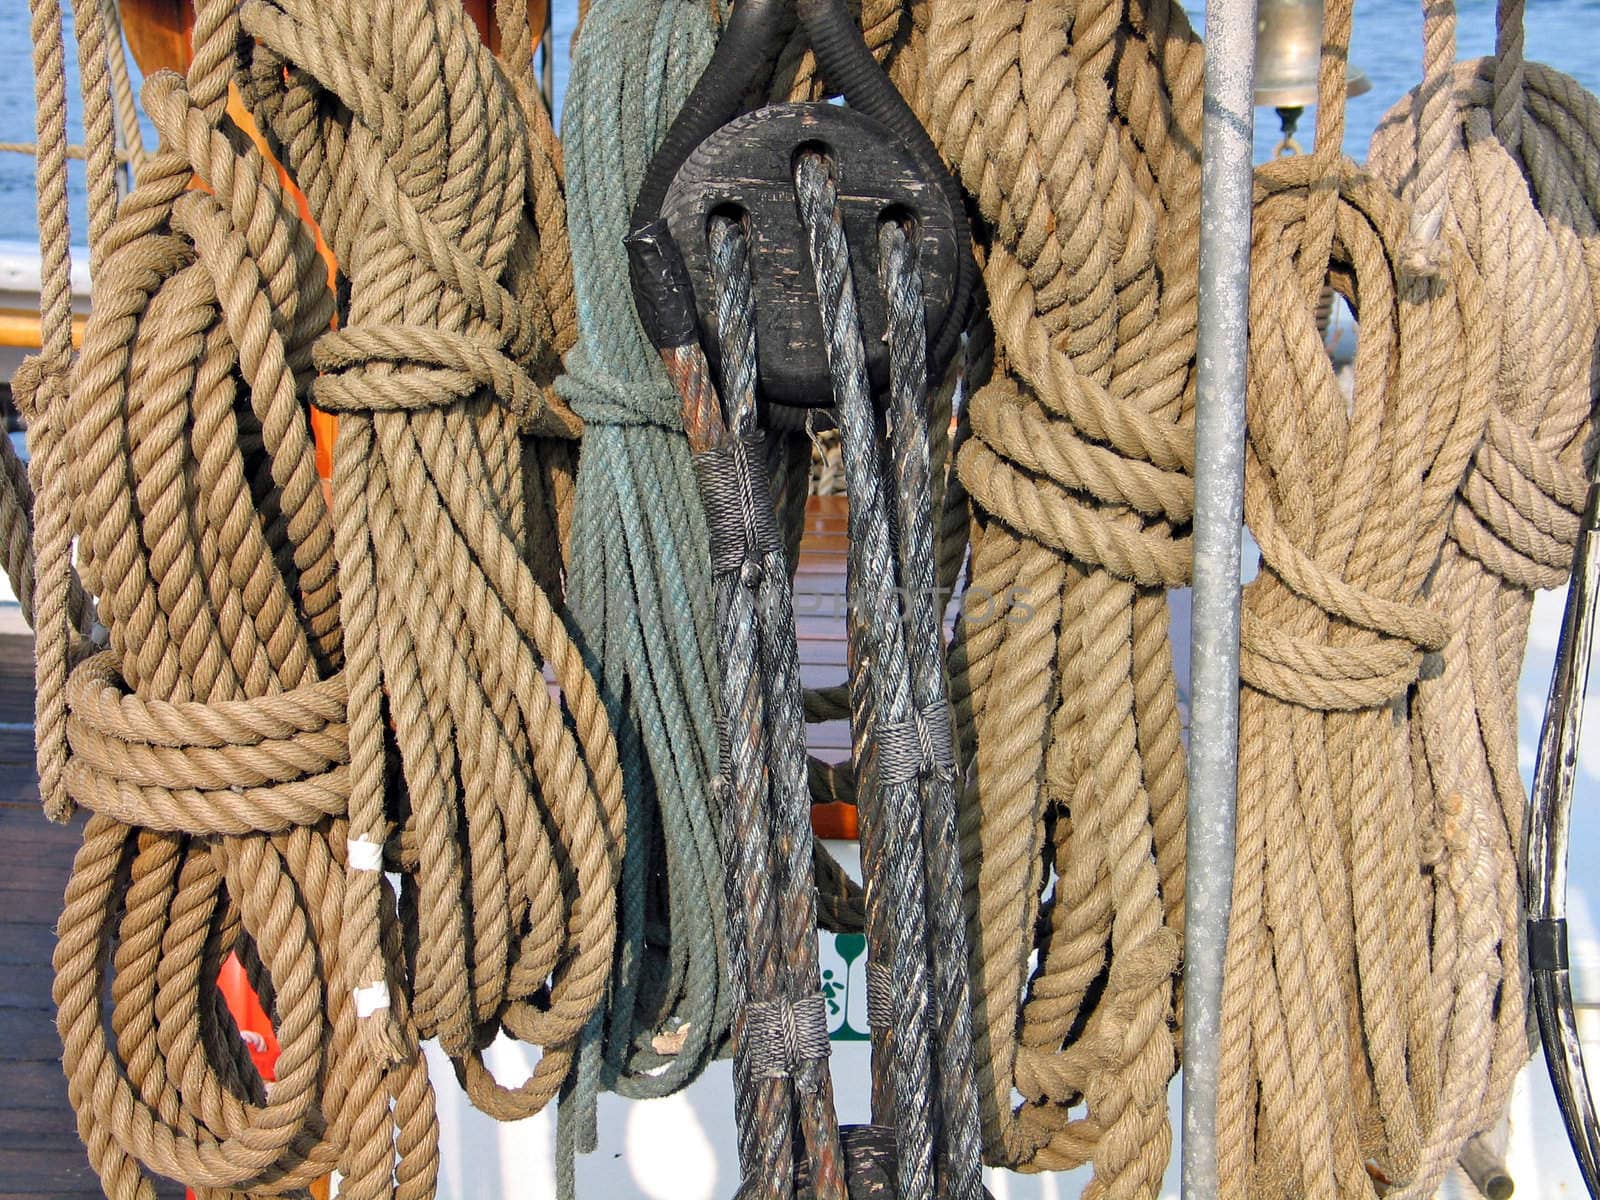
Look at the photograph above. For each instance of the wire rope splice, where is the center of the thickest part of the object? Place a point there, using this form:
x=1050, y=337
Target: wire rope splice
x=777, y=213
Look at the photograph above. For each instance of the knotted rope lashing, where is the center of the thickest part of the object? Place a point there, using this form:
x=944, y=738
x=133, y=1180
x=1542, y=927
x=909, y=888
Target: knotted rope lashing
x=1355, y=1007
x=453, y=326
x=232, y=738
x=1077, y=130
x=639, y=581
x=1506, y=171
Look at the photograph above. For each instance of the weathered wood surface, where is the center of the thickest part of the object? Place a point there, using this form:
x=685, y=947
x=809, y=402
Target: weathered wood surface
x=40, y=1154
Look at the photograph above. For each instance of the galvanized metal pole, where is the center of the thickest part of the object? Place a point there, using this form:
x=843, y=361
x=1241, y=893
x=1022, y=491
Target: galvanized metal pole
x=1225, y=180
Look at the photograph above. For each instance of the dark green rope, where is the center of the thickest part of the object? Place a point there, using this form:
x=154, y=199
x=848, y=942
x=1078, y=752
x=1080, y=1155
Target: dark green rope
x=639, y=583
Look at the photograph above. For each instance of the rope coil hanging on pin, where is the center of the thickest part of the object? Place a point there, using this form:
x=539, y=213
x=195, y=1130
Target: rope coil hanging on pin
x=1077, y=131
x=232, y=739
x=215, y=710
x=456, y=313
x=1492, y=152
x=637, y=582
x=1355, y=1010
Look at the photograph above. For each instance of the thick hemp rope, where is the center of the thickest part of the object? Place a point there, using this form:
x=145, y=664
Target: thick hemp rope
x=1076, y=128
x=639, y=583
x=1513, y=183
x=431, y=181
x=1356, y=1008
x=232, y=738
x=210, y=737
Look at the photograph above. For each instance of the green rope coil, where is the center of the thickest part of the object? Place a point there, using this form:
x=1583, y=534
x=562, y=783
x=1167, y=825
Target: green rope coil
x=640, y=574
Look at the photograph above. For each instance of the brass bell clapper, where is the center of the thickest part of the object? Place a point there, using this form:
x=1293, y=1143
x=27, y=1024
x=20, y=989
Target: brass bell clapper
x=1288, y=44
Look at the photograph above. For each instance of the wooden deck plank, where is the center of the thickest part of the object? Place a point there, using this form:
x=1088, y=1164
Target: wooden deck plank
x=25, y=985
x=25, y=942
x=48, y=1172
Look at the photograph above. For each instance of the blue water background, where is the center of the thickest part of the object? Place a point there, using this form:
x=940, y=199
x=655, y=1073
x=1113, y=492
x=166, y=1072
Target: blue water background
x=1387, y=45
x=18, y=206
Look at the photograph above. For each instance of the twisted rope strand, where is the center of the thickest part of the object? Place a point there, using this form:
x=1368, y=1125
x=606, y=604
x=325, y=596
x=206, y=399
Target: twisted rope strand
x=243, y=789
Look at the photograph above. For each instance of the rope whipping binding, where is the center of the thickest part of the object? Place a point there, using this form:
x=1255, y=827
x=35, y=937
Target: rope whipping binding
x=233, y=736
x=1494, y=152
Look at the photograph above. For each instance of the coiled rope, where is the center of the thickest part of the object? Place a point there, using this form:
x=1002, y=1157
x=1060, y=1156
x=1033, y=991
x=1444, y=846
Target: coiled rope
x=1076, y=128
x=233, y=739
x=1502, y=163
x=452, y=319
x=639, y=578
x=1355, y=1006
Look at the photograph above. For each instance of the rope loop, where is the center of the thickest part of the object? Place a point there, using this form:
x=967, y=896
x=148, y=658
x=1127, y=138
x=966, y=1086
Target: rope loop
x=1350, y=495
x=1307, y=530
x=227, y=767
x=1519, y=195
x=38, y=387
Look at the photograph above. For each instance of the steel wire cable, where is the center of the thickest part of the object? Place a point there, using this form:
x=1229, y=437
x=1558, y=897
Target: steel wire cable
x=900, y=728
x=780, y=1036
x=789, y=864
x=910, y=483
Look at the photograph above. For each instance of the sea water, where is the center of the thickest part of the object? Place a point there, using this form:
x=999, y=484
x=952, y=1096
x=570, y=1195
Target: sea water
x=1386, y=44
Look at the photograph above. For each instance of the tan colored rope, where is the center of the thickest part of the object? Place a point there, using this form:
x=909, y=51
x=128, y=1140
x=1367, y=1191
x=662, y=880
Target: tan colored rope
x=1518, y=194
x=130, y=137
x=76, y=152
x=1076, y=129
x=1356, y=1012
x=233, y=739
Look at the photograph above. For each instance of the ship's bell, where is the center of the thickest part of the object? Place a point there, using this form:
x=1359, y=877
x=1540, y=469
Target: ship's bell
x=1288, y=43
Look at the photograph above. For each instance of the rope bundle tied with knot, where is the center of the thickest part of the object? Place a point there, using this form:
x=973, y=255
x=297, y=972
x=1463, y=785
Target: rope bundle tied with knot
x=435, y=180
x=210, y=737
x=1354, y=1009
x=1076, y=127
x=1497, y=150
x=640, y=585
x=233, y=738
